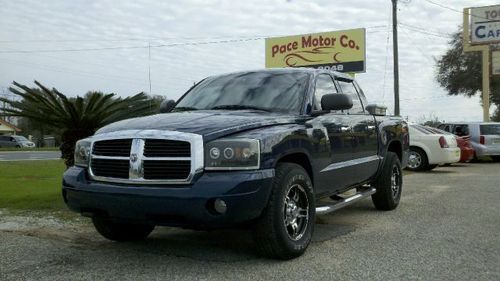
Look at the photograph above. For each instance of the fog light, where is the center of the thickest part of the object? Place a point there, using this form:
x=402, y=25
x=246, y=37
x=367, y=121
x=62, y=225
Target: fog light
x=220, y=206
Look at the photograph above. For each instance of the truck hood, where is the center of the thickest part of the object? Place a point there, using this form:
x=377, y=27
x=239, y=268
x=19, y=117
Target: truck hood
x=211, y=124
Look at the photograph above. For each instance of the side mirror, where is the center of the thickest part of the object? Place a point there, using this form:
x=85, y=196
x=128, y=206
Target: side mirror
x=374, y=109
x=336, y=102
x=167, y=106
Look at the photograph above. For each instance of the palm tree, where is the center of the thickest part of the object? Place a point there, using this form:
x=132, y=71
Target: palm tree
x=78, y=117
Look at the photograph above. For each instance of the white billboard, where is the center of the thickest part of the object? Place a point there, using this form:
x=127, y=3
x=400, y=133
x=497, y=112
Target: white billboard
x=485, y=25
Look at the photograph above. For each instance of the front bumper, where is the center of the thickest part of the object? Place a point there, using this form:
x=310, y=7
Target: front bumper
x=245, y=193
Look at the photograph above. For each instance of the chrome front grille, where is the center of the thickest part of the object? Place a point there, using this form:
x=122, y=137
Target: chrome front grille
x=111, y=168
x=120, y=147
x=146, y=157
x=167, y=148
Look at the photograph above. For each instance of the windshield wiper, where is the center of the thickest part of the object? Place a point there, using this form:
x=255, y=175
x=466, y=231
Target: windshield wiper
x=239, y=107
x=184, y=108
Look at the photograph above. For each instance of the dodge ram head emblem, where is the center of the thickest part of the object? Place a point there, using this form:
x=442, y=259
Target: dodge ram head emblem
x=133, y=157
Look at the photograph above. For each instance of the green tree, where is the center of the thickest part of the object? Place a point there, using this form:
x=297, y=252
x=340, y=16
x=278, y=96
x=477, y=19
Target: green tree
x=78, y=117
x=460, y=73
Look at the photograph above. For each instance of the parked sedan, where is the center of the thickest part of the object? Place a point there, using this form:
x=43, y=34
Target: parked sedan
x=429, y=149
x=15, y=141
x=463, y=142
x=484, y=136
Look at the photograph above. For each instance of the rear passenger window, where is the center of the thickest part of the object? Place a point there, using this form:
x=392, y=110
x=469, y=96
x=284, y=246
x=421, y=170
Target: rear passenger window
x=349, y=89
x=324, y=85
x=491, y=129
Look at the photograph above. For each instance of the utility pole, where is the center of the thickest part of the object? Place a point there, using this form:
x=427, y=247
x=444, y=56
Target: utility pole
x=395, y=54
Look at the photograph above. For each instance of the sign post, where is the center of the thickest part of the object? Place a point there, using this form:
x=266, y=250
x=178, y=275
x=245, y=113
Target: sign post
x=342, y=51
x=484, y=30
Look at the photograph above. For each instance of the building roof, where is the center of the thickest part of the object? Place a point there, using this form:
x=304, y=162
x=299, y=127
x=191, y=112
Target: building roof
x=5, y=123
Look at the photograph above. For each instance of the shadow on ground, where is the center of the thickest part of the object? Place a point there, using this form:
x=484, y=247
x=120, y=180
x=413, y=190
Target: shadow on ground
x=217, y=245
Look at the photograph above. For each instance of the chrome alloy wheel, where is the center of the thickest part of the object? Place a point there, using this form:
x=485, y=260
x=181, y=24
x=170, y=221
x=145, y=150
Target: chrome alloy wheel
x=296, y=212
x=395, y=181
x=414, y=160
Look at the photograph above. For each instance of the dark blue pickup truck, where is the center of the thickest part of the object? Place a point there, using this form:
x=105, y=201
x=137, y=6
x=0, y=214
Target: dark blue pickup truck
x=267, y=149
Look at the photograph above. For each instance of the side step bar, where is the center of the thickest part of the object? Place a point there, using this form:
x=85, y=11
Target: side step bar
x=337, y=204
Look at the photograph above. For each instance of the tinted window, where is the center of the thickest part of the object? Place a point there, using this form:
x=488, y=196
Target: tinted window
x=492, y=129
x=267, y=90
x=324, y=85
x=2, y=138
x=461, y=130
x=349, y=89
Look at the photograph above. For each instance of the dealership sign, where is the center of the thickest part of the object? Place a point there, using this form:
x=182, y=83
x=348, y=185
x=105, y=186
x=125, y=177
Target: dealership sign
x=495, y=62
x=337, y=50
x=485, y=25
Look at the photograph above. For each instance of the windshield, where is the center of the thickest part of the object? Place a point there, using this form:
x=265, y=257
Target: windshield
x=20, y=138
x=492, y=129
x=255, y=90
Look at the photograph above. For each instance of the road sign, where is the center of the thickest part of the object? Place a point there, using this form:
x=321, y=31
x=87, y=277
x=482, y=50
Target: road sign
x=485, y=25
x=342, y=51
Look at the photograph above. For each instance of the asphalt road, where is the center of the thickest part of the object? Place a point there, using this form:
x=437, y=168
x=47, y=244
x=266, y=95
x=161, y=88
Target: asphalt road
x=446, y=228
x=29, y=155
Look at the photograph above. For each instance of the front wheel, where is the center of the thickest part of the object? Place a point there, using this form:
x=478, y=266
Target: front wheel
x=121, y=231
x=285, y=229
x=389, y=184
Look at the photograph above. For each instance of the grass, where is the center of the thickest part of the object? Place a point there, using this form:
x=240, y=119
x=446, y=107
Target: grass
x=29, y=149
x=32, y=185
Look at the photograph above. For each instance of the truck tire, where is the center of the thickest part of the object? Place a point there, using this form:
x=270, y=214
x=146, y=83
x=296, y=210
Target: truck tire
x=286, y=226
x=389, y=184
x=121, y=231
x=417, y=160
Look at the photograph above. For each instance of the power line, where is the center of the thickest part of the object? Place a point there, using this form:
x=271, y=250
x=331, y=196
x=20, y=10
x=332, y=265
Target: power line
x=437, y=32
x=452, y=9
x=145, y=46
x=133, y=47
x=152, y=38
x=424, y=32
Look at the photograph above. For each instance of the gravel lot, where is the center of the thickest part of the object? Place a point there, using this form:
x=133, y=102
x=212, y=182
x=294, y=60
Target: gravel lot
x=446, y=228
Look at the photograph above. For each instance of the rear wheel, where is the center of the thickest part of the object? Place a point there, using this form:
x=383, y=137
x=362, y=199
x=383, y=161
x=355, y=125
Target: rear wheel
x=389, y=184
x=417, y=161
x=121, y=231
x=285, y=229
x=496, y=158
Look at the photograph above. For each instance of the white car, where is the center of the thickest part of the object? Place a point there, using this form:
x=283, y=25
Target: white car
x=428, y=149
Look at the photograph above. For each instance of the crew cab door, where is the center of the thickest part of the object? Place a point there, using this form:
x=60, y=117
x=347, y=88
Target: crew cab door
x=352, y=140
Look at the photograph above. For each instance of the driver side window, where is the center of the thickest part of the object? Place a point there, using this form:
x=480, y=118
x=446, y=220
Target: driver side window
x=324, y=85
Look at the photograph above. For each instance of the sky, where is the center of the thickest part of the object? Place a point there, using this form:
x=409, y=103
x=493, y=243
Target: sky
x=193, y=39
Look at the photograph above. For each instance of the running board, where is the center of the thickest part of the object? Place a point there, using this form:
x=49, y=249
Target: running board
x=337, y=204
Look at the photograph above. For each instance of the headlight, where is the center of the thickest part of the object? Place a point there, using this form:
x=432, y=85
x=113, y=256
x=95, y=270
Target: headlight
x=82, y=153
x=232, y=154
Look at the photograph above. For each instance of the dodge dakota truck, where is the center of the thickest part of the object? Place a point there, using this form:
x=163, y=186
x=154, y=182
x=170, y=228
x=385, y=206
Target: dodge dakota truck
x=266, y=150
